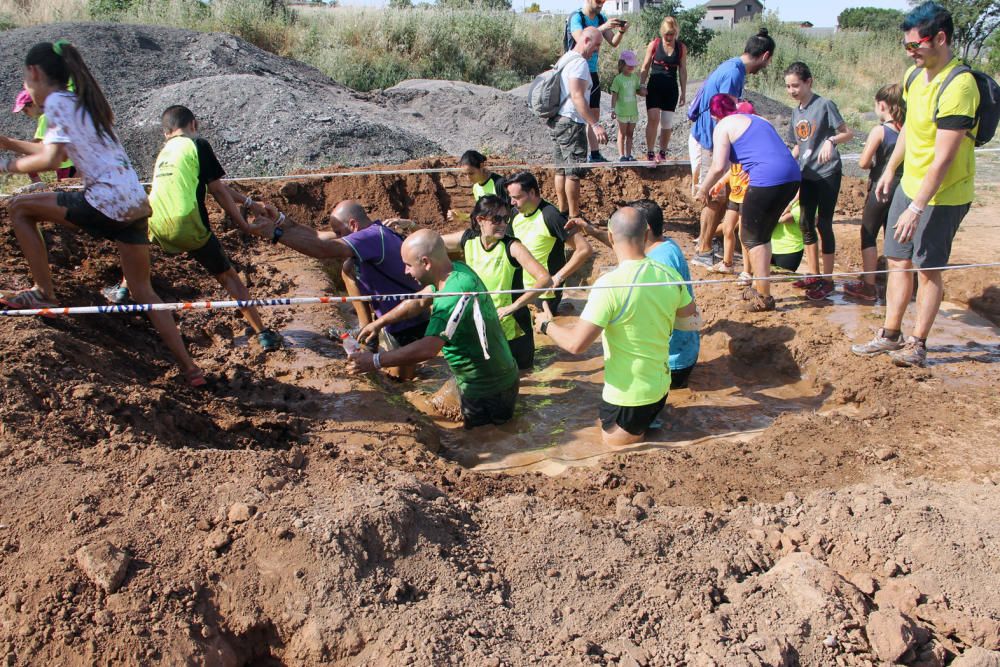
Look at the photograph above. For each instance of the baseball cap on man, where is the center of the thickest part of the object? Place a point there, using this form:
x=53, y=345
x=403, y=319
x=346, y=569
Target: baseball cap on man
x=22, y=100
x=628, y=57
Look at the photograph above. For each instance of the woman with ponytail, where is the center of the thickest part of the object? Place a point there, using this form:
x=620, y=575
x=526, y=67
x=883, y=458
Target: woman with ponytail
x=113, y=204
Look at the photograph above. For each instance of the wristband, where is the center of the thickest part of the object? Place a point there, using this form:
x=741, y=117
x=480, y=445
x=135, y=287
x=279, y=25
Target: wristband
x=377, y=361
x=913, y=209
x=248, y=202
x=544, y=327
x=278, y=231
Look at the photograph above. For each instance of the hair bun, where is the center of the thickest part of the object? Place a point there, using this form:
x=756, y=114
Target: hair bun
x=762, y=32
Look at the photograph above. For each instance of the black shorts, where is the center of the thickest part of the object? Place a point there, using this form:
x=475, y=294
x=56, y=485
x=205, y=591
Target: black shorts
x=211, y=256
x=595, y=91
x=523, y=347
x=662, y=92
x=410, y=334
x=930, y=247
x=762, y=208
x=679, y=378
x=788, y=261
x=80, y=213
x=734, y=206
x=634, y=420
x=496, y=409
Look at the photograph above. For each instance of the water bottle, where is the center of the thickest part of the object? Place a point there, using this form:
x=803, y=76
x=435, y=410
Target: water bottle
x=349, y=342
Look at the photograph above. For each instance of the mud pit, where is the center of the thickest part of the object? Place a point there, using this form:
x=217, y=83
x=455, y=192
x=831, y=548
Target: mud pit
x=800, y=507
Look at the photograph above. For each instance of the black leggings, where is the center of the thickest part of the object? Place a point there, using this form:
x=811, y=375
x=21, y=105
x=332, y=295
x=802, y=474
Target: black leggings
x=762, y=208
x=874, y=218
x=818, y=200
x=788, y=261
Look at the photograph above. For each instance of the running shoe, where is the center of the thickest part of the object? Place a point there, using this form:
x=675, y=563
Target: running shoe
x=116, y=295
x=806, y=283
x=913, y=353
x=749, y=294
x=821, y=291
x=597, y=158
x=760, y=303
x=269, y=340
x=721, y=267
x=705, y=259
x=29, y=299
x=650, y=156
x=661, y=156
x=717, y=247
x=745, y=279
x=877, y=345
x=859, y=289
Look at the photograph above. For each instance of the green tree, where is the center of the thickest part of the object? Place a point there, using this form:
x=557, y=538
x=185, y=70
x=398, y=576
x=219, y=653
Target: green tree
x=992, y=47
x=873, y=19
x=533, y=8
x=975, y=21
x=475, y=4
x=400, y=4
x=692, y=34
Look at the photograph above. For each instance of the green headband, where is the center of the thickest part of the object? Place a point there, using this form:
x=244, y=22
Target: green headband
x=58, y=46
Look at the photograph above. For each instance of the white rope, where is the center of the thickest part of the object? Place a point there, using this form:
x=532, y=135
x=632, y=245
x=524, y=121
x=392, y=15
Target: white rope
x=299, y=301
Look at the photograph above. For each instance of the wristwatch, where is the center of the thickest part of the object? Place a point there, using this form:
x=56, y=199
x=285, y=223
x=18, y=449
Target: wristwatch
x=544, y=327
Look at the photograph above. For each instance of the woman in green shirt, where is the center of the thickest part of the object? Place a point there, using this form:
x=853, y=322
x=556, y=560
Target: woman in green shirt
x=484, y=181
x=499, y=259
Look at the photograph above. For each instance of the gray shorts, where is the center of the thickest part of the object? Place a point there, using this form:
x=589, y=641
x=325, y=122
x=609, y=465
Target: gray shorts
x=930, y=246
x=571, y=144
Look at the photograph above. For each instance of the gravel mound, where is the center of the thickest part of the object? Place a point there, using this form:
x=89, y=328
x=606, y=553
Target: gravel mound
x=263, y=113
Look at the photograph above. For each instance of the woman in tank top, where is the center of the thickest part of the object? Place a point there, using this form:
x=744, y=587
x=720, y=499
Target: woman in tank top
x=774, y=179
x=665, y=67
x=875, y=156
x=499, y=260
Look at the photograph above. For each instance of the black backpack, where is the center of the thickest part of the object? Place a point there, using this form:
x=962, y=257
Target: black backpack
x=988, y=112
x=568, y=40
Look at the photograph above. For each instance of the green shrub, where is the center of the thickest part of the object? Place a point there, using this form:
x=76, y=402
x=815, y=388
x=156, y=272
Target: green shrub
x=109, y=10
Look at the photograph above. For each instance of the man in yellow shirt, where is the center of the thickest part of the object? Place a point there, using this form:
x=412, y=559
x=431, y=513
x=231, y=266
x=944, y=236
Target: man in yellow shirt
x=939, y=169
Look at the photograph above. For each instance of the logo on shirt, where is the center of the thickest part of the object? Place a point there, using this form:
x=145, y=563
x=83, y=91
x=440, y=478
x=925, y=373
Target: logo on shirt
x=804, y=130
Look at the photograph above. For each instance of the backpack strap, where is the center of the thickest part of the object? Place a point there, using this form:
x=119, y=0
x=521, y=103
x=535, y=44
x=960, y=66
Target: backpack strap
x=955, y=72
x=913, y=77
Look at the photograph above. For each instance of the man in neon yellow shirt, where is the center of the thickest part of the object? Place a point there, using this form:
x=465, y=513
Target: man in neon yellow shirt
x=939, y=169
x=634, y=323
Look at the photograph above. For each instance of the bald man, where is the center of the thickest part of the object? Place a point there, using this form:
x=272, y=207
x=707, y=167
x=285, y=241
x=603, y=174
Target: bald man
x=635, y=324
x=372, y=265
x=465, y=328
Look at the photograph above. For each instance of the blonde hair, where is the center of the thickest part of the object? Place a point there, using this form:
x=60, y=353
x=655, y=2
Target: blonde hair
x=670, y=22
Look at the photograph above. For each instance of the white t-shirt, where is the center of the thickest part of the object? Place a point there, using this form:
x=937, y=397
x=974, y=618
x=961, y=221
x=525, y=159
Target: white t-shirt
x=110, y=183
x=577, y=68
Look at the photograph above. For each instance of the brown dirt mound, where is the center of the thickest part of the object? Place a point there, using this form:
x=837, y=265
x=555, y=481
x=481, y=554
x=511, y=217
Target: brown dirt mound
x=298, y=515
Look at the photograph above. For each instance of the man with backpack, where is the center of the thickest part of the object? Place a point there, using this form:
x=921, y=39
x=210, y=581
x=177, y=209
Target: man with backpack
x=570, y=125
x=942, y=126
x=612, y=30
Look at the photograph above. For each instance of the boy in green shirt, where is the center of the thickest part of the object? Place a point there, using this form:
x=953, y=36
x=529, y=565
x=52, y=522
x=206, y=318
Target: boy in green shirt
x=635, y=324
x=186, y=169
x=466, y=329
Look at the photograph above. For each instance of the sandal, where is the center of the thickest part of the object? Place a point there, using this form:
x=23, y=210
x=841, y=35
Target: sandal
x=29, y=299
x=749, y=294
x=760, y=303
x=196, y=378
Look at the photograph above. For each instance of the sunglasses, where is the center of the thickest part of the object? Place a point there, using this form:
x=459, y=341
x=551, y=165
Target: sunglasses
x=913, y=46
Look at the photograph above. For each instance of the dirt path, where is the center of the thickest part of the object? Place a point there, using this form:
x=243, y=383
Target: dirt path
x=801, y=507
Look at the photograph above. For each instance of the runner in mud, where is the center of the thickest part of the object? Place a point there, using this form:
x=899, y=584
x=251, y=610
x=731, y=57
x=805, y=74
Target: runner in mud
x=372, y=266
x=728, y=78
x=500, y=261
x=665, y=68
x=815, y=131
x=484, y=181
x=938, y=183
x=113, y=204
x=634, y=324
x=581, y=22
x=576, y=117
x=465, y=328
x=24, y=104
x=186, y=170
x=875, y=156
x=684, y=345
x=774, y=180
x=542, y=229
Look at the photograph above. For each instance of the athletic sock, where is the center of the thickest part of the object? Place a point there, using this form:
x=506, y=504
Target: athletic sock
x=595, y=153
x=891, y=334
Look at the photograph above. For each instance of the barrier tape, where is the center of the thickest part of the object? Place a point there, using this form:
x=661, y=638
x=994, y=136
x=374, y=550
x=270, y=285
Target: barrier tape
x=456, y=170
x=310, y=300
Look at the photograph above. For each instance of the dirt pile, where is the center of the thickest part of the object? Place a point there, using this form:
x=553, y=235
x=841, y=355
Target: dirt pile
x=299, y=515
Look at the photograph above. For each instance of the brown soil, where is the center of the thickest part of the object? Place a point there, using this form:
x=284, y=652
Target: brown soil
x=300, y=515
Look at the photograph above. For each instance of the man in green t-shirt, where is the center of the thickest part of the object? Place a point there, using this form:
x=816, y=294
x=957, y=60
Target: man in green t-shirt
x=465, y=328
x=935, y=148
x=634, y=320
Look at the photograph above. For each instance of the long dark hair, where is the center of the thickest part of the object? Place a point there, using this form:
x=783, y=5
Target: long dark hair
x=62, y=63
x=491, y=207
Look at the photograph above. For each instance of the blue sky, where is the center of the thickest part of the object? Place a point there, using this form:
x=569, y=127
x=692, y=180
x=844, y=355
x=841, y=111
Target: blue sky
x=822, y=13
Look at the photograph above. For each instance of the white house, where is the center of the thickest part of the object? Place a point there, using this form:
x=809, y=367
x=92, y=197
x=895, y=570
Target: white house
x=721, y=14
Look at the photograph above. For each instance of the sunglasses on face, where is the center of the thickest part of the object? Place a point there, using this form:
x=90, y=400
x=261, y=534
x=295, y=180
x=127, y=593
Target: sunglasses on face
x=913, y=46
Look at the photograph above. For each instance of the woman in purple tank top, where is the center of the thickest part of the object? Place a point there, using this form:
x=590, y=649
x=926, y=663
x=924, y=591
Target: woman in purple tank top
x=774, y=179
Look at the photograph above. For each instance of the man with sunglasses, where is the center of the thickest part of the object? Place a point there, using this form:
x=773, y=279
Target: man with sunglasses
x=939, y=169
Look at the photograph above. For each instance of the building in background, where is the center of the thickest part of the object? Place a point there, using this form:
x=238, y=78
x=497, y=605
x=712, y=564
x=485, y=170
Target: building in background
x=721, y=14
